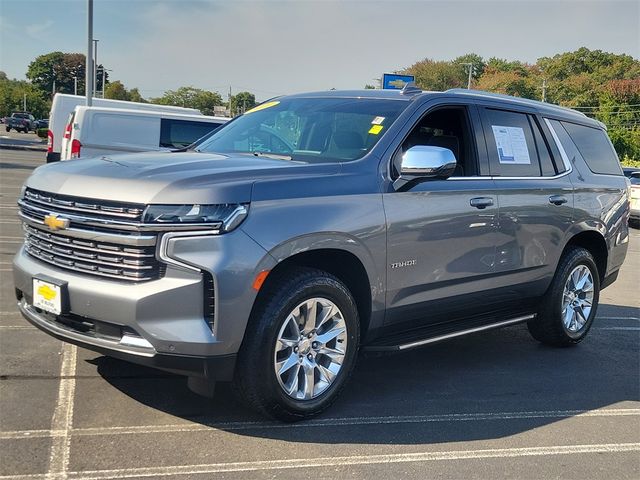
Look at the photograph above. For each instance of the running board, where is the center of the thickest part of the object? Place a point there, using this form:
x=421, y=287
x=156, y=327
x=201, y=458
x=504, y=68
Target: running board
x=440, y=338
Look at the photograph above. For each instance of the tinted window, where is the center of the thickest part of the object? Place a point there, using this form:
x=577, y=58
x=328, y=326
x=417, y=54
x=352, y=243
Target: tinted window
x=308, y=129
x=595, y=148
x=544, y=154
x=511, y=144
x=182, y=133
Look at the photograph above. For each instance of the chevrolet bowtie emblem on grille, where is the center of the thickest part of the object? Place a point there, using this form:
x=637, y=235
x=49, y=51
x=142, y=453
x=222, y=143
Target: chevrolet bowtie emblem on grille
x=56, y=223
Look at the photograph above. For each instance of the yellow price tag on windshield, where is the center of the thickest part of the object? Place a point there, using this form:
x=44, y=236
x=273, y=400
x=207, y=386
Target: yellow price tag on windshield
x=262, y=107
x=376, y=129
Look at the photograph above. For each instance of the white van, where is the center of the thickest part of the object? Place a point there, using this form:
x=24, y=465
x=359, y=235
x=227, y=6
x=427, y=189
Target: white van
x=94, y=131
x=63, y=104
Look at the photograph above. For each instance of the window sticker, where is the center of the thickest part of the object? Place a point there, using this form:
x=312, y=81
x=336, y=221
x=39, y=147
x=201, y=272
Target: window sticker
x=262, y=107
x=512, y=145
x=376, y=129
x=377, y=121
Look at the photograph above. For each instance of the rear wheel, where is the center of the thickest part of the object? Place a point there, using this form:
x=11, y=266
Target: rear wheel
x=300, y=346
x=570, y=304
x=8, y=129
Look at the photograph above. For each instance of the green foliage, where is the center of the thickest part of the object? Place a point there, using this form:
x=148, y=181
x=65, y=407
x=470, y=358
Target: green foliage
x=61, y=67
x=191, y=97
x=12, y=95
x=626, y=143
x=369, y=87
x=42, y=132
x=438, y=75
x=242, y=102
x=116, y=91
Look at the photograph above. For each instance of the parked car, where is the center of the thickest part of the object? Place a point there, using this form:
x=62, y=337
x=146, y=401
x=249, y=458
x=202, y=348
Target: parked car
x=42, y=123
x=634, y=178
x=21, y=122
x=94, y=131
x=317, y=225
x=64, y=104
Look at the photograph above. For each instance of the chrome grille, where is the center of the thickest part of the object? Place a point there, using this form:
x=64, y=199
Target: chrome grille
x=65, y=203
x=102, y=238
x=97, y=258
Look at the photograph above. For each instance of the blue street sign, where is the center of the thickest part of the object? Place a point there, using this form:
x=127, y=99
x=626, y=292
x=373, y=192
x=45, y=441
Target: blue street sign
x=394, y=81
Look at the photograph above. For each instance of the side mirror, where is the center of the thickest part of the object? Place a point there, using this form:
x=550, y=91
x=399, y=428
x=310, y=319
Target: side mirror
x=422, y=162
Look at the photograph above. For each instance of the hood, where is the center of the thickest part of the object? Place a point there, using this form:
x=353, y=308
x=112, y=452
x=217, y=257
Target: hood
x=170, y=178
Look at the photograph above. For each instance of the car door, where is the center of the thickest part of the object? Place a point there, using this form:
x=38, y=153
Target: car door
x=535, y=196
x=441, y=234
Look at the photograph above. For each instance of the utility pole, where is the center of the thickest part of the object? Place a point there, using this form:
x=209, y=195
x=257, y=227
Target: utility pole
x=103, y=79
x=230, y=113
x=88, y=69
x=544, y=89
x=470, y=65
x=24, y=102
x=75, y=85
x=95, y=65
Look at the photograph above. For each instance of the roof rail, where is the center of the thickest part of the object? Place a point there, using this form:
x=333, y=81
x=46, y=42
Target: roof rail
x=526, y=101
x=410, y=88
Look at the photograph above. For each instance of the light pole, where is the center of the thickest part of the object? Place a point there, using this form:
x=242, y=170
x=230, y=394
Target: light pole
x=75, y=85
x=88, y=69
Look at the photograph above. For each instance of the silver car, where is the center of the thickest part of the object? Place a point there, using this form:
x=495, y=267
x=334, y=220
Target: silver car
x=319, y=224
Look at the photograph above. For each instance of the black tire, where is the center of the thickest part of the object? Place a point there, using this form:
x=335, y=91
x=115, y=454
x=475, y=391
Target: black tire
x=8, y=129
x=256, y=382
x=548, y=327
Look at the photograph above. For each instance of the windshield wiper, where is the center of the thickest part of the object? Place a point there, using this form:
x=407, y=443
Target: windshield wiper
x=272, y=155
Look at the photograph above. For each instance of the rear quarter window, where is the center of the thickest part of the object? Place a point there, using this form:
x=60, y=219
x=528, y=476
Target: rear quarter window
x=595, y=148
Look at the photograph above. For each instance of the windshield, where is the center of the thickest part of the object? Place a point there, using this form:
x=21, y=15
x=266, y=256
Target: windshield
x=326, y=129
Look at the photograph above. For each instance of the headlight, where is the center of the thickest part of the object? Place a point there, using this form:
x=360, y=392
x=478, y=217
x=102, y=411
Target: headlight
x=223, y=217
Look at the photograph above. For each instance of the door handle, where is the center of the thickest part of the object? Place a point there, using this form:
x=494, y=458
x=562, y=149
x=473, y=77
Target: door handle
x=481, y=202
x=558, y=199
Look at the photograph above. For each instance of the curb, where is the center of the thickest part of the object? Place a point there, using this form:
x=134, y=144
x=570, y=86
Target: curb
x=23, y=147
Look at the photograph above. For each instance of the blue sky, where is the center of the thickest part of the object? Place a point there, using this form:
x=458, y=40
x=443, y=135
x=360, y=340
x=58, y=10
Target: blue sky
x=275, y=47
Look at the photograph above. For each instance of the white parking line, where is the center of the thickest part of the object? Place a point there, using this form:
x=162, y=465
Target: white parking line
x=323, y=462
x=629, y=329
x=327, y=422
x=17, y=327
x=62, y=420
x=618, y=318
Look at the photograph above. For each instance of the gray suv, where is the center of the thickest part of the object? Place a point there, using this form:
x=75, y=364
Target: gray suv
x=319, y=224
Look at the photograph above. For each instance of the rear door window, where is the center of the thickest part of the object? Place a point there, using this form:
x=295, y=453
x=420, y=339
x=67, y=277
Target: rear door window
x=511, y=144
x=595, y=148
x=182, y=133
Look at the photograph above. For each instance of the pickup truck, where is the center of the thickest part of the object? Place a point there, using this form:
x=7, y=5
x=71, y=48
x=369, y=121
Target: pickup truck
x=21, y=122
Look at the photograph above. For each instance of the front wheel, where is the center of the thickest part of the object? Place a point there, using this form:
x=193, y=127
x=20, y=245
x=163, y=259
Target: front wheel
x=300, y=346
x=569, y=306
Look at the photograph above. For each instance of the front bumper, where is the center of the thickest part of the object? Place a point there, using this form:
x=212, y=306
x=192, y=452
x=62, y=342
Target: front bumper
x=219, y=368
x=161, y=323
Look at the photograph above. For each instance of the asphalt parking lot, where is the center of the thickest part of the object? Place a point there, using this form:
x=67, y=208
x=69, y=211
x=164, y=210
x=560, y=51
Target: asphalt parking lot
x=492, y=405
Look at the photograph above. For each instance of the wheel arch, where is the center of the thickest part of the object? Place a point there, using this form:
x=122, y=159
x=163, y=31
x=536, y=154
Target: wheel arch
x=341, y=263
x=594, y=242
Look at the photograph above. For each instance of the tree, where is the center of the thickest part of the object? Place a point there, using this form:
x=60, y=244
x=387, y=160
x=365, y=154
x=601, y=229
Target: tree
x=134, y=96
x=116, y=91
x=477, y=62
x=242, y=102
x=191, y=97
x=60, y=68
x=437, y=75
x=369, y=87
x=13, y=94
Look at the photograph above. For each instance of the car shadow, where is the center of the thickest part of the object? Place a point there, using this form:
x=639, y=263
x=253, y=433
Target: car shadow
x=483, y=386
